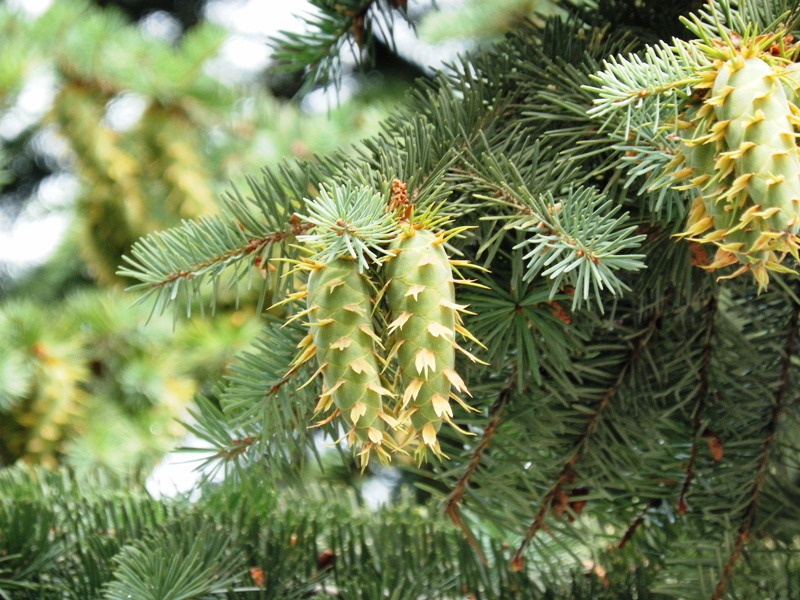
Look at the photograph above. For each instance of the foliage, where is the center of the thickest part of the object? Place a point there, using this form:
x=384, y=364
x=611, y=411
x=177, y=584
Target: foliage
x=336, y=30
x=636, y=416
x=243, y=542
x=633, y=410
x=91, y=382
x=151, y=138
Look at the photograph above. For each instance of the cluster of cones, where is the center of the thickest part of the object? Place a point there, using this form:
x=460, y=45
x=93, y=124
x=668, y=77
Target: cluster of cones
x=392, y=392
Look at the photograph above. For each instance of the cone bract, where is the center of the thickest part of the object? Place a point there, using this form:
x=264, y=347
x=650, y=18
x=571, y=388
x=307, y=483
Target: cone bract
x=791, y=83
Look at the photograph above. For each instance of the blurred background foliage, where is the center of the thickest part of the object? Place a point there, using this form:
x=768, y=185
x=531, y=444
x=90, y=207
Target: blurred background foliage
x=115, y=122
x=119, y=118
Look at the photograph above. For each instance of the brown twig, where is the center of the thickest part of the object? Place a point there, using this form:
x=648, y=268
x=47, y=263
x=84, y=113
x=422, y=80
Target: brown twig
x=790, y=347
x=631, y=530
x=238, y=447
x=253, y=246
x=460, y=488
x=566, y=472
x=700, y=393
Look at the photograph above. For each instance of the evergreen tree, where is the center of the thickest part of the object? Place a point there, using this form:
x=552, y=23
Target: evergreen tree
x=605, y=409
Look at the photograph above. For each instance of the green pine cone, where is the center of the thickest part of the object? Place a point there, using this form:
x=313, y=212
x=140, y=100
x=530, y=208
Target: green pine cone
x=738, y=151
x=421, y=297
x=697, y=154
x=340, y=318
x=751, y=103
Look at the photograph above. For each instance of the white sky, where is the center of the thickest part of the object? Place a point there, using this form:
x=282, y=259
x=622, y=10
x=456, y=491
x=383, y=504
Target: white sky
x=252, y=23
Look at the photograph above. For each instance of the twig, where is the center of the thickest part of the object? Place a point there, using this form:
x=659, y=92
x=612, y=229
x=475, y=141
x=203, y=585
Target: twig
x=790, y=347
x=566, y=472
x=254, y=245
x=460, y=488
x=700, y=393
x=626, y=537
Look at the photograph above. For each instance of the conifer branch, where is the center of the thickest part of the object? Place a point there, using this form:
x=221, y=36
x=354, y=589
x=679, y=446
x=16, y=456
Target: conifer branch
x=339, y=25
x=790, y=347
x=348, y=221
x=195, y=270
x=261, y=374
x=566, y=474
x=634, y=83
x=225, y=445
x=700, y=391
x=580, y=241
x=260, y=411
x=177, y=262
x=516, y=319
x=634, y=526
x=462, y=484
x=576, y=236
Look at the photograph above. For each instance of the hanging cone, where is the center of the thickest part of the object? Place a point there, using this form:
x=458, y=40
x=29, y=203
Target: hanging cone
x=738, y=151
x=342, y=338
x=421, y=297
